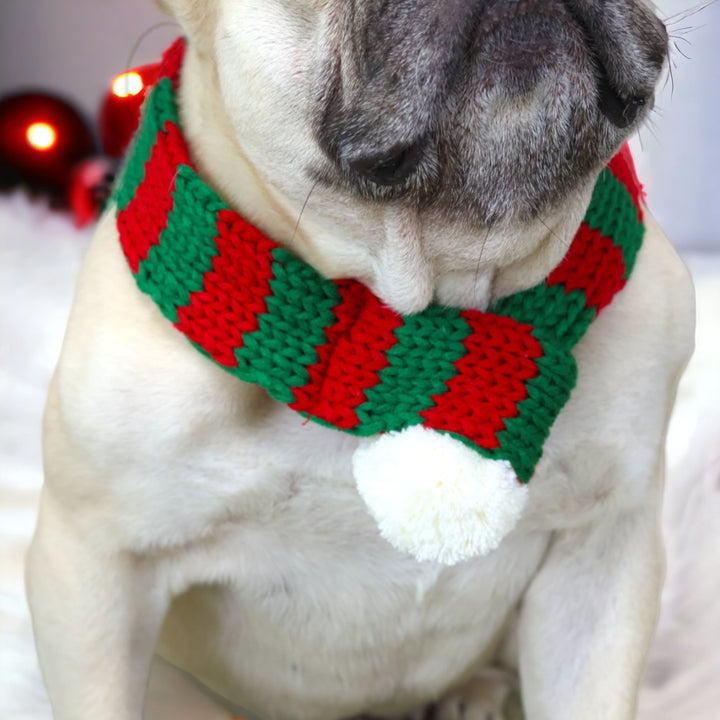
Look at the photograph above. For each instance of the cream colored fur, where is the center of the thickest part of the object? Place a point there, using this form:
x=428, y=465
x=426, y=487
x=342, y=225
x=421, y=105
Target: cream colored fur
x=185, y=510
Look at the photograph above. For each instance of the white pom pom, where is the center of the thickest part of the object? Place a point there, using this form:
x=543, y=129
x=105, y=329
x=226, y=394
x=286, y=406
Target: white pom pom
x=436, y=498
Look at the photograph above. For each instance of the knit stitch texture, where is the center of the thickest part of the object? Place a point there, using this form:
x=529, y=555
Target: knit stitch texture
x=330, y=349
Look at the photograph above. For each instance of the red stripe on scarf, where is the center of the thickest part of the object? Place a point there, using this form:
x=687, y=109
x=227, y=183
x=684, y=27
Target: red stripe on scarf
x=143, y=220
x=622, y=167
x=593, y=264
x=234, y=291
x=490, y=382
x=171, y=62
x=357, y=345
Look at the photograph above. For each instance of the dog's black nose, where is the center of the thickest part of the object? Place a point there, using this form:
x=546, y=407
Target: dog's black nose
x=388, y=168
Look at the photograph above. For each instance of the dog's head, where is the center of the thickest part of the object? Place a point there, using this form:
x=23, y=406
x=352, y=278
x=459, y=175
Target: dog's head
x=486, y=112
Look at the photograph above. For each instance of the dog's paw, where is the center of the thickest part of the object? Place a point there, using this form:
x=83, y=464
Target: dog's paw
x=484, y=697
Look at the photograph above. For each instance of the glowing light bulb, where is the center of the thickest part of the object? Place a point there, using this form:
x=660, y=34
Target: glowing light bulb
x=41, y=136
x=127, y=84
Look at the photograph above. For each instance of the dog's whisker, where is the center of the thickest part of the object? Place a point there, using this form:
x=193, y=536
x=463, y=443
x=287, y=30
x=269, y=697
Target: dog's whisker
x=685, y=30
x=172, y=183
x=670, y=79
x=651, y=127
x=476, y=280
x=302, y=210
x=641, y=140
x=677, y=48
x=553, y=233
x=656, y=112
x=677, y=34
x=672, y=66
x=681, y=37
x=684, y=14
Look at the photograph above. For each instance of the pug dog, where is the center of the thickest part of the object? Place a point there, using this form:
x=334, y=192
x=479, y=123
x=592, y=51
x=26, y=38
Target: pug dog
x=438, y=151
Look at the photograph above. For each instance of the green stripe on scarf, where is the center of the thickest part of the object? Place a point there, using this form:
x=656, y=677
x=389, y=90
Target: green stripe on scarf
x=176, y=267
x=279, y=352
x=414, y=375
x=524, y=435
x=614, y=215
x=556, y=315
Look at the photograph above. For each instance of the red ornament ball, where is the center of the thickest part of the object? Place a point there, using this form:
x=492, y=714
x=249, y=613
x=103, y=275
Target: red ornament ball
x=120, y=109
x=89, y=188
x=41, y=138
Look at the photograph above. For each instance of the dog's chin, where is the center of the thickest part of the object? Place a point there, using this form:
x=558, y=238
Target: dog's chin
x=537, y=99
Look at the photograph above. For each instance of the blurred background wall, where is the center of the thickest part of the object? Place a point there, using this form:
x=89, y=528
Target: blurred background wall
x=76, y=46
x=678, y=152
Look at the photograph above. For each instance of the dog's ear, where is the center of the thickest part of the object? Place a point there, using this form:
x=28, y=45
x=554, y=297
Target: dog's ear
x=197, y=17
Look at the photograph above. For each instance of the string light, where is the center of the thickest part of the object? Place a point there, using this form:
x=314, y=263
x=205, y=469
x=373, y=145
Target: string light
x=127, y=84
x=41, y=136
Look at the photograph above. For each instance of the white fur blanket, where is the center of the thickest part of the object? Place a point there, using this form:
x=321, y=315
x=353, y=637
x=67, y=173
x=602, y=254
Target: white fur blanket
x=40, y=253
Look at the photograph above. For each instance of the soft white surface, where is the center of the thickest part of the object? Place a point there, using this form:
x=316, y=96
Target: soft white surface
x=40, y=253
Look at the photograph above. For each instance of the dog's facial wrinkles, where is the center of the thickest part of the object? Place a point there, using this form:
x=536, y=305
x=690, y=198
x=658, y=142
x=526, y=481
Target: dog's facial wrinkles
x=492, y=110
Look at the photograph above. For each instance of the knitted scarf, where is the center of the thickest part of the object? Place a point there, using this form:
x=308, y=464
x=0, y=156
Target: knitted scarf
x=330, y=349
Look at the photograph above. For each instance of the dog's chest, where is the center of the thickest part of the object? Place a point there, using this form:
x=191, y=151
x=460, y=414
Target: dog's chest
x=295, y=604
x=311, y=614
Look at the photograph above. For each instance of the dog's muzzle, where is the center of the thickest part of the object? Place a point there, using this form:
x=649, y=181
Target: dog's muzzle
x=414, y=82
